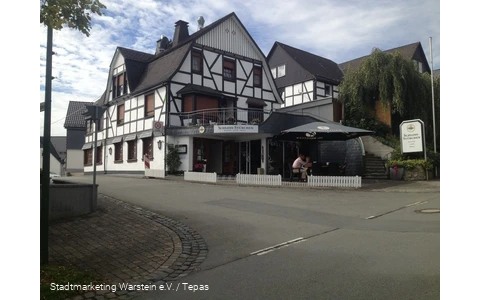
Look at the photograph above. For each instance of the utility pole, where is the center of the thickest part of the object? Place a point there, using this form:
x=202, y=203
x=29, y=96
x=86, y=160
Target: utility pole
x=45, y=183
x=433, y=105
x=95, y=154
x=94, y=113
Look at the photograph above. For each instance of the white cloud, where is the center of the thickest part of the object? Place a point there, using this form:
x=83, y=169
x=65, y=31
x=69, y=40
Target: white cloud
x=338, y=30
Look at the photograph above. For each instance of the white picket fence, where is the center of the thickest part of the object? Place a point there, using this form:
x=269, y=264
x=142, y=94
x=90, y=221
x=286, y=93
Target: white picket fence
x=155, y=173
x=200, y=176
x=335, y=181
x=256, y=179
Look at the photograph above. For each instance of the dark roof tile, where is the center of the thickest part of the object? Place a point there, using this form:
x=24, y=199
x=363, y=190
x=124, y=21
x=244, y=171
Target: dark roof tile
x=135, y=55
x=163, y=65
x=406, y=51
x=74, y=118
x=60, y=144
x=160, y=69
x=321, y=67
x=53, y=151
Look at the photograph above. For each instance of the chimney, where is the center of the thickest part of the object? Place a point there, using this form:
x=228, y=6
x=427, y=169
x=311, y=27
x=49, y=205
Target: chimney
x=181, y=32
x=162, y=44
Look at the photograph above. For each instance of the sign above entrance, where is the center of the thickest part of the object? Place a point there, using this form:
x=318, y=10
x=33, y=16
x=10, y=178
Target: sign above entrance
x=235, y=129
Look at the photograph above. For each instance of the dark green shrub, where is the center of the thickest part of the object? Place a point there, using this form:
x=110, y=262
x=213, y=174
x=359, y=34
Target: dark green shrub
x=173, y=159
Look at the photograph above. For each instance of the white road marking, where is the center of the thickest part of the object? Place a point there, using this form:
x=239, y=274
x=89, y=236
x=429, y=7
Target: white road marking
x=278, y=246
x=416, y=203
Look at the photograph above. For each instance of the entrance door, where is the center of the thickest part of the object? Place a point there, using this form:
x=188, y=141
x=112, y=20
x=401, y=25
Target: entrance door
x=229, y=150
x=243, y=158
x=249, y=157
x=255, y=156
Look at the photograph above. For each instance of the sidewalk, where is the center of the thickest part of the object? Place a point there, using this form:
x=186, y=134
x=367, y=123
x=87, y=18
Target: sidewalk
x=386, y=185
x=126, y=244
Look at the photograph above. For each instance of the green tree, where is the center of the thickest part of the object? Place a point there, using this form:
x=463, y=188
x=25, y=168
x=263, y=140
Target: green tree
x=73, y=13
x=396, y=82
x=54, y=14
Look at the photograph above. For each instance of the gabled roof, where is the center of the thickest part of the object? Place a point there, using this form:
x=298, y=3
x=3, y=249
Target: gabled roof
x=146, y=71
x=135, y=55
x=407, y=51
x=320, y=67
x=53, y=151
x=60, y=144
x=75, y=118
x=161, y=69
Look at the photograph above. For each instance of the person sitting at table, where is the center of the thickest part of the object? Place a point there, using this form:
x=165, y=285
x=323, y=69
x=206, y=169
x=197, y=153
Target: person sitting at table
x=300, y=165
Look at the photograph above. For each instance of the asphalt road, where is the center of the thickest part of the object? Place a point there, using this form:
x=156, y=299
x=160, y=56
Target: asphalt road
x=328, y=248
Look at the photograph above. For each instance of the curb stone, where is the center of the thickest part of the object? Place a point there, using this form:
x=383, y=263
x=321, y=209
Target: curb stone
x=190, y=250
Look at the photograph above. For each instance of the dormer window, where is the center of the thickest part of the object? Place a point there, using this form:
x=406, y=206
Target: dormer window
x=278, y=72
x=119, y=85
x=328, y=90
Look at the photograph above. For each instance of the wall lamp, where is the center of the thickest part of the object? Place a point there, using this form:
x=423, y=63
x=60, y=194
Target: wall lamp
x=110, y=150
x=159, y=143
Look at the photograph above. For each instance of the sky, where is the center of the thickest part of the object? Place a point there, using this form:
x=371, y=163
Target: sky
x=337, y=30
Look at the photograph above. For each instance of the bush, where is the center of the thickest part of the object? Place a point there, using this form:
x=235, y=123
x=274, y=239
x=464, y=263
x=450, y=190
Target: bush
x=173, y=159
x=411, y=160
x=370, y=123
x=390, y=141
x=410, y=164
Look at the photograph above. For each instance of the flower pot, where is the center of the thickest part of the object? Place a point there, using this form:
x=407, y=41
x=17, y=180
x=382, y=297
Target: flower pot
x=396, y=173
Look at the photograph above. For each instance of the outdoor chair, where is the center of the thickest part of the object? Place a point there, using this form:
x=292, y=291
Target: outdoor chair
x=341, y=169
x=294, y=175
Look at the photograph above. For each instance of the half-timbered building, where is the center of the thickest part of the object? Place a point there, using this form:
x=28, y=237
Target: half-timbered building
x=205, y=93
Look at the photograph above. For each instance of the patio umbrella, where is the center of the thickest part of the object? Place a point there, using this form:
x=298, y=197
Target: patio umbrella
x=322, y=131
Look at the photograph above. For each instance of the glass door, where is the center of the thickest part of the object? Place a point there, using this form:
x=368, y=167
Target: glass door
x=244, y=158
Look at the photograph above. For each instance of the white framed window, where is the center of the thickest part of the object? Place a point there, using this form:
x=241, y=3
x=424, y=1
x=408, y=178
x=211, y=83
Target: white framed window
x=281, y=71
x=328, y=90
x=274, y=72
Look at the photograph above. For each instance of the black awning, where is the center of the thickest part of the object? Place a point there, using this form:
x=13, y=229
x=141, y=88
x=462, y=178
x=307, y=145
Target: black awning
x=87, y=146
x=145, y=134
x=198, y=89
x=117, y=139
x=256, y=102
x=130, y=137
x=322, y=131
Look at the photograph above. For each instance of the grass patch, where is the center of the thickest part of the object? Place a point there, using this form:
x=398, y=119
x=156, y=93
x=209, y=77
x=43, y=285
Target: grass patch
x=63, y=275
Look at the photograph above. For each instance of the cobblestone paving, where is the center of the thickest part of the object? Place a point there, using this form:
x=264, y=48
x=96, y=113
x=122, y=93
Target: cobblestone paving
x=124, y=243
